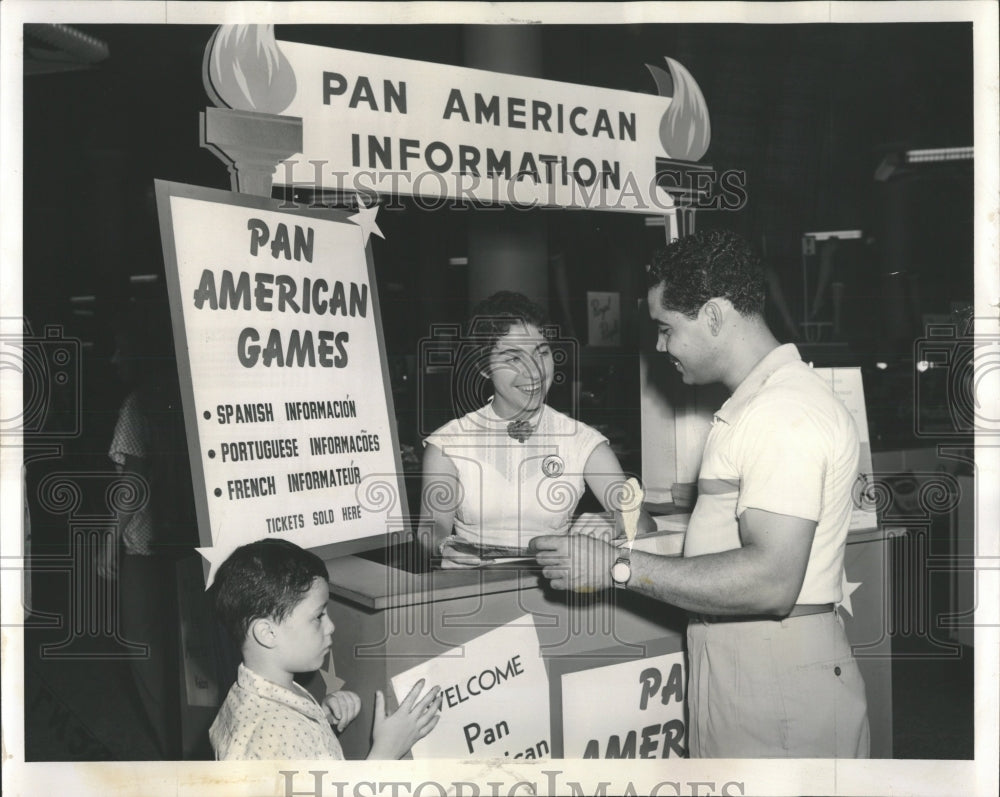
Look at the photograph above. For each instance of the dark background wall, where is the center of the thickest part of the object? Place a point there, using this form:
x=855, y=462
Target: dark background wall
x=806, y=110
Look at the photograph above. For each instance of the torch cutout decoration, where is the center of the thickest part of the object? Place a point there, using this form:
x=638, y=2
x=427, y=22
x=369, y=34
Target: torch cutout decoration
x=250, y=82
x=685, y=133
x=244, y=70
x=685, y=129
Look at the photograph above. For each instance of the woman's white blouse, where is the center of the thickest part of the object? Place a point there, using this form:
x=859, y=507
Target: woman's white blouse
x=507, y=491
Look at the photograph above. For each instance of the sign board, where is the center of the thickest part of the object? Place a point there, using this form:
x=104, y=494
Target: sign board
x=846, y=383
x=496, y=697
x=630, y=710
x=287, y=401
x=604, y=318
x=396, y=126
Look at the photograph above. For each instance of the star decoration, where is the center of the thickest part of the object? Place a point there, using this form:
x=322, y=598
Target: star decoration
x=365, y=219
x=329, y=675
x=847, y=589
x=216, y=554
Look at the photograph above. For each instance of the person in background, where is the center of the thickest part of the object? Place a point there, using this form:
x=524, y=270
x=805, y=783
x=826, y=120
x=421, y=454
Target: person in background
x=513, y=468
x=271, y=597
x=771, y=672
x=149, y=443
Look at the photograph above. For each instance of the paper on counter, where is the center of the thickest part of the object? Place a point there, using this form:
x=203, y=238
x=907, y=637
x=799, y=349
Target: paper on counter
x=631, y=507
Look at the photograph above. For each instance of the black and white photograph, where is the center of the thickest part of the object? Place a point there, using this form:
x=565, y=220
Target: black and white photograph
x=477, y=399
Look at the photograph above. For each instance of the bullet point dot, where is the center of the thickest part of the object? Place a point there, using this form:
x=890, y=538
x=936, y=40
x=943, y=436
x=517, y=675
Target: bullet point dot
x=207, y=414
x=211, y=453
x=218, y=492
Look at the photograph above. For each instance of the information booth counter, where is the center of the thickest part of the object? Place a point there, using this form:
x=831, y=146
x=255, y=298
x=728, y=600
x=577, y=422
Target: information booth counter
x=388, y=621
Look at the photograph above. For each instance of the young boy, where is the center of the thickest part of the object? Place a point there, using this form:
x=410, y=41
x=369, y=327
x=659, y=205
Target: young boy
x=271, y=596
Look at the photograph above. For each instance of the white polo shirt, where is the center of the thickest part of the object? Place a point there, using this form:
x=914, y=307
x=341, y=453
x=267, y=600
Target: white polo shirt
x=783, y=443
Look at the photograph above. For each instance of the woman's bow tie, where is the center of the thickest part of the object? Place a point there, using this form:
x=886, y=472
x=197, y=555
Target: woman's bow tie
x=520, y=430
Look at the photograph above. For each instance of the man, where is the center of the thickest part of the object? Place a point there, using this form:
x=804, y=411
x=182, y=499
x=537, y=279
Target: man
x=770, y=670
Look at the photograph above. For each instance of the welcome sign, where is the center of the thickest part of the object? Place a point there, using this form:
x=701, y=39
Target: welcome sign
x=495, y=697
x=289, y=416
x=375, y=124
x=642, y=710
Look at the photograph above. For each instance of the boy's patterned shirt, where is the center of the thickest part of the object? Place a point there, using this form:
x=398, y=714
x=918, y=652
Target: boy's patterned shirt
x=264, y=721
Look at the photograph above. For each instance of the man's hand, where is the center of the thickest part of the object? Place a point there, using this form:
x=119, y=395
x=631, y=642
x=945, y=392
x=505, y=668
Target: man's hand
x=577, y=562
x=341, y=707
x=394, y=734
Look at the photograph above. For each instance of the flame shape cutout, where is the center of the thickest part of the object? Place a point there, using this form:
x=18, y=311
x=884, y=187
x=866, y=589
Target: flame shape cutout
x=244, y=70
x=685, y=130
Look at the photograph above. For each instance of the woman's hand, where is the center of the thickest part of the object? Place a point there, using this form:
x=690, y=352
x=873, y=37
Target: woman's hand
x=603, y=525
x=107, y=558
x=341, y=707
x=455, y=559
x=394, y=734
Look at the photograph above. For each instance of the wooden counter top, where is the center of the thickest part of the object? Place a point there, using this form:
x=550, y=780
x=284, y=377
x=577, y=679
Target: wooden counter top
x=376, y=586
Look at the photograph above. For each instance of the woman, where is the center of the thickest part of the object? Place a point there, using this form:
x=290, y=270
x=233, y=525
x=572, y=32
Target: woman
x=515, y=468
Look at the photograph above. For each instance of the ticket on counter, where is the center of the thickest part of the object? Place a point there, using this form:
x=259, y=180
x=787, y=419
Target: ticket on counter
x=487, y=553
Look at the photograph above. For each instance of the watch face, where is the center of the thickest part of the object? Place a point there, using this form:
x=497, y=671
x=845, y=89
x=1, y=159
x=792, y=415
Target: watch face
x=621, y=572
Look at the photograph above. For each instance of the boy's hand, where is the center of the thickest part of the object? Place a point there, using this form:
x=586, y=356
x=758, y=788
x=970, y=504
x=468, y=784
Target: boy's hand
x=341, y=707
x=395, y=734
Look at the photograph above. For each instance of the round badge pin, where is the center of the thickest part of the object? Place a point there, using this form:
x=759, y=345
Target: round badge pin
x=553, y=466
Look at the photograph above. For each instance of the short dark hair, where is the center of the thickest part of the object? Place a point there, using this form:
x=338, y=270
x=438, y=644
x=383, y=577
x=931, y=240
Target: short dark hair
x=707, y=265
x=267, y=578
x=489, y=321
x=493, y=317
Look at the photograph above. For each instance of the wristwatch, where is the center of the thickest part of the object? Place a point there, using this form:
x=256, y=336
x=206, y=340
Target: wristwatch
x=621, y=570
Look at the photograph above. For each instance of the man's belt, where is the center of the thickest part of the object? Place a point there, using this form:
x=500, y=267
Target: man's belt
x=798, y=610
